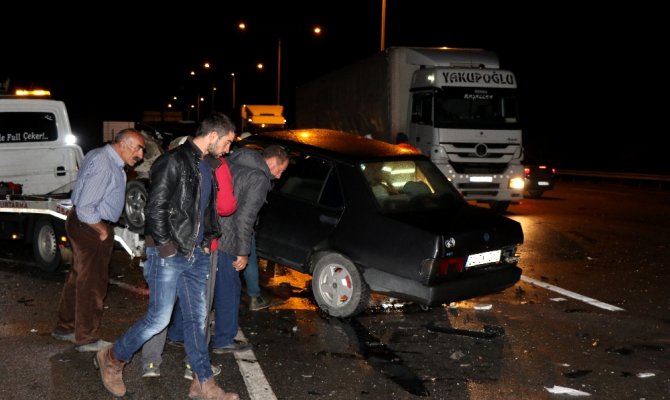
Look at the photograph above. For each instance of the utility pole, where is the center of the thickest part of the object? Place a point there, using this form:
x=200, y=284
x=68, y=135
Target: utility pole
x=278, y=67
x=383, y=45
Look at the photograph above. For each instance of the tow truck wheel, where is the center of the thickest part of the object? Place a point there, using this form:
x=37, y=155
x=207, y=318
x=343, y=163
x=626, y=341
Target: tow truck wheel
x=45, y=246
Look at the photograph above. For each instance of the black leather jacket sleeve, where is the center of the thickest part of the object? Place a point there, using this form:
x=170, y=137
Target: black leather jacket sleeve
x=173, y=208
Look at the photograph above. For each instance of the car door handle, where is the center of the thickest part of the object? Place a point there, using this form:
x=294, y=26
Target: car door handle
x=327, y=219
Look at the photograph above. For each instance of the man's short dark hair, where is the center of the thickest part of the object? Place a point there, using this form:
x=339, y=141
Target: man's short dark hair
x=275, y=150
x=216, y=122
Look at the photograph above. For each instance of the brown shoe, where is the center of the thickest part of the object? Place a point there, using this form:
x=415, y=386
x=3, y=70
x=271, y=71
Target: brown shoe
x=209, y=390
x=111, y=371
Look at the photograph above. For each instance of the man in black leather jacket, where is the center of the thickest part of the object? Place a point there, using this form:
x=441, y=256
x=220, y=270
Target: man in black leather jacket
x=181, y=221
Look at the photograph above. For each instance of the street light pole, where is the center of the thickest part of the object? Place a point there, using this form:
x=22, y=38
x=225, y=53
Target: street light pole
x=383, y=24
x=197, y=105
x=232, y=74
x=243, y=27
x=278, y=67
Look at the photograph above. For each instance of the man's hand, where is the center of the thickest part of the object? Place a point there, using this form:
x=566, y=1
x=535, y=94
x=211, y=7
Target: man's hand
x=102, y=229
x=240, y=262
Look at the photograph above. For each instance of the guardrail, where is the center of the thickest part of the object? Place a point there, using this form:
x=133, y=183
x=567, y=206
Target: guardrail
x=621, y=176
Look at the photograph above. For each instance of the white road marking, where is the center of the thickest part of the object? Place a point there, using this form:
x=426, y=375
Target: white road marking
x=573, y=295
x=254, y=378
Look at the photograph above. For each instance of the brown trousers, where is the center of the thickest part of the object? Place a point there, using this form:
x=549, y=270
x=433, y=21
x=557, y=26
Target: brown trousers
x=85, y=288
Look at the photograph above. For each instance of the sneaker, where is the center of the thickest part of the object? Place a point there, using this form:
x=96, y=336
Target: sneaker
x=151, y=370
x=188, y=374
x=232, y=348
x=67, y=337
x=95, y=346
x=258, y=303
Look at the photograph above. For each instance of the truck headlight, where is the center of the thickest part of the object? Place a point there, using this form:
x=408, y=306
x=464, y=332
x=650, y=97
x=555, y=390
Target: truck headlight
x=516, y=183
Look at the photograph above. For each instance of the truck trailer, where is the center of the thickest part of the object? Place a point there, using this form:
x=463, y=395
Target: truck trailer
x=456, y=105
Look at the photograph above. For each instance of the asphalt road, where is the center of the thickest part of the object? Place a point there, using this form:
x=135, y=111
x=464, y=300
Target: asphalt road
x=591, y=314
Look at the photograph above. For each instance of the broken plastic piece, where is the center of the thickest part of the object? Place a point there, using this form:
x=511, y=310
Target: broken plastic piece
x=645, y=374
x=566, y=390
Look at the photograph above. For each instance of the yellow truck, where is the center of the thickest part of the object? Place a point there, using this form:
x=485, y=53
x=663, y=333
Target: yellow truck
x=259, y=118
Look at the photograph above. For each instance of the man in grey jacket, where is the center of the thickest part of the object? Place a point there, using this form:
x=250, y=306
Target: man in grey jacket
x=252, y=173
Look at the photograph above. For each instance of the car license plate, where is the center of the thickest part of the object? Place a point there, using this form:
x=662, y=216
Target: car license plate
x=543, y=183
x=483, y=258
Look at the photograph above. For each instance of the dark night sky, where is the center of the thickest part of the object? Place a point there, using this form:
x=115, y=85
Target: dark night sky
x=587, y=77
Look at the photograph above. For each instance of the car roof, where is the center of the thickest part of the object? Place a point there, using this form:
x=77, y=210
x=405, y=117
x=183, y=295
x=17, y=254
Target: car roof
x=334, y=144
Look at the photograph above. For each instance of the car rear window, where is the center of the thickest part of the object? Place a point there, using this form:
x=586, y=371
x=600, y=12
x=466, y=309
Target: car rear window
x=409, y=186
x=24, y=127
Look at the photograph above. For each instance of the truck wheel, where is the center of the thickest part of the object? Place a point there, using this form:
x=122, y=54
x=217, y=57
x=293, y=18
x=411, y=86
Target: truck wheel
x=136, y=199
x=45, y=246
x=338, y=287
x=499, y=206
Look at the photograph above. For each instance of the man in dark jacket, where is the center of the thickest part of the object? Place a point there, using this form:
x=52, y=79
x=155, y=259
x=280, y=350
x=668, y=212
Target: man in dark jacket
x=252, y=173
x=181, y=221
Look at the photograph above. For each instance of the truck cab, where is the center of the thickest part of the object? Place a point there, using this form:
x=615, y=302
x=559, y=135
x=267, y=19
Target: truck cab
x=39, y=163
x=464, y=115
x=37, y=147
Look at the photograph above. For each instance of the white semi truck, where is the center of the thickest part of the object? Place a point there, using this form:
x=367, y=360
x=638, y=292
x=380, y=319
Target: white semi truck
x=456, y=105
x=39, y=162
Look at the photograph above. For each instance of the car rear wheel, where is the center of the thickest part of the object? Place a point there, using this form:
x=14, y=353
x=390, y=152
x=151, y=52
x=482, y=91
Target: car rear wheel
x=136, y=199
x=535, y=193
x=338, y=286
x=45, y=246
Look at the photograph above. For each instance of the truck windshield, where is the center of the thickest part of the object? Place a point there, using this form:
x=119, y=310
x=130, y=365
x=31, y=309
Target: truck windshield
x=23, y=127
x=483, y=108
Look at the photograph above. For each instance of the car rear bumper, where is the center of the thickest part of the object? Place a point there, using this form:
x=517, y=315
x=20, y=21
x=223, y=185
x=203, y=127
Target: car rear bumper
x=463, y=288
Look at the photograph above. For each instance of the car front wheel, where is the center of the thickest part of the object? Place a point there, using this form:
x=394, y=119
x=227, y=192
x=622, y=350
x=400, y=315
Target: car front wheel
x=338, y=286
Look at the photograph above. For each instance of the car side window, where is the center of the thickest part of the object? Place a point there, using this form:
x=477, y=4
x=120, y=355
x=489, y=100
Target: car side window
x=309, y=178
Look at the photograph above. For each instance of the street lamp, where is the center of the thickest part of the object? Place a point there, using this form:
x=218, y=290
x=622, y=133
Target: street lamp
x=198, y=84
x=198, y=100
x=316, y=30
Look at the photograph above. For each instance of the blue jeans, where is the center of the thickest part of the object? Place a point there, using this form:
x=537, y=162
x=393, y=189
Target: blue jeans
x=169, y=278
x=226, y=301
x=251, y=271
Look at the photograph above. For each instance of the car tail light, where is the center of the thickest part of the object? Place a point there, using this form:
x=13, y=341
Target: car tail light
x=432, y=269
x=450, y=265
